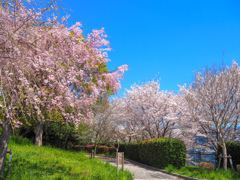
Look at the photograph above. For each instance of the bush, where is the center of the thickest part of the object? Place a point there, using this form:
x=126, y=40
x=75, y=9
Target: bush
x=122, y=147
x=206, y=166
x=62, y=135
x=100, y=149
x=162, y=152
x=112, y=150
x=156, y=152
x=238, y=167
x=233, y=148
x=132, y=151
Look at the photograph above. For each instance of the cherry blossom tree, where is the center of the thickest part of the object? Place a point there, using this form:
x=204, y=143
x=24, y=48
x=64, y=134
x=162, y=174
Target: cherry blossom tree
x=210, y=108
x=47, y=67
x=146, y=112
x=104, y=127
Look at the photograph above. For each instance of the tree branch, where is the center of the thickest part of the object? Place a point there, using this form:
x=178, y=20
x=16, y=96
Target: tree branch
x=48, y=120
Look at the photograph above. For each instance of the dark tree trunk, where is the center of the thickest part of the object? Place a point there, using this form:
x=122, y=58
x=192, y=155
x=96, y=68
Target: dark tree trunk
x=66, y=144
x=4, y=139
x=130, y=138
x=39, y=133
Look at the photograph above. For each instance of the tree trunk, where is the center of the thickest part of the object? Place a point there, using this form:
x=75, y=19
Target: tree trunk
x=66, y=144
x=95, y=147
x=39, y=133
x=4, y=139
x=129, y=139
x=224, y=150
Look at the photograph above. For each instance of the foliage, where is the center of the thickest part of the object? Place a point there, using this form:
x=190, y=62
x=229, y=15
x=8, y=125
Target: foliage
x=162, y=152
x=132, y=151
x=238, y=167
x=156, y=152
x=195, y=172
x=210, y=108
x=233, y=148
x=51, y=68
x=121, y=148
x=206, y=165
x=62, y=135
x=100, y=149
x=46, y=163
x=146, y=112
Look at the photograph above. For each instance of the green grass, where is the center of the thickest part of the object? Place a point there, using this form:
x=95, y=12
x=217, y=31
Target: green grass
x=197, y=173
x=46, y=163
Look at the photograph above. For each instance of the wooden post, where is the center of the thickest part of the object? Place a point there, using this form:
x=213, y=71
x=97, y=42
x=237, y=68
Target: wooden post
x=122, y=161
x=199, y=157
x=10, y=160
x=117, y=161
x=230, y=160
x=92, y=154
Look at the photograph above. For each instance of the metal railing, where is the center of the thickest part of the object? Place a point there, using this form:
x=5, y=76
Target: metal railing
x=194, y=158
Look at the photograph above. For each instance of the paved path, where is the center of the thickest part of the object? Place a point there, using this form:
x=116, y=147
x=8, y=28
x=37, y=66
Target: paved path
x=141, y=172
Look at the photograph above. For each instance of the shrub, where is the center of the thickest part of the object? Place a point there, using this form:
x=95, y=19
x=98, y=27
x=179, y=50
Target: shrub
x=89, y=148
x=132, y=151
x=102, y=149
x=156, y=152
x=206, y=165
x=62, y=135
x=238, y=167
x=112, y=150
x=79, y=148
x=122, y=147
x=162, y=152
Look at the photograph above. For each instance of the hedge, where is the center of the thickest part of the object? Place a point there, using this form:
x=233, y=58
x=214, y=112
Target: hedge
x=156, y=152
x=233, y=148
x=132, y=151
x=100, y=149
x=163, y=151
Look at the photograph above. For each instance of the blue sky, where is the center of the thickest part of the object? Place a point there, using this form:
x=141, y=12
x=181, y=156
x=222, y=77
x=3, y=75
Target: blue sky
x=165, y=38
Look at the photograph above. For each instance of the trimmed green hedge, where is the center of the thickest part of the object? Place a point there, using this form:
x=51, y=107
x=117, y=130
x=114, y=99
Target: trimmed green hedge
x=156, y=152
x=162, y=152
x=233, y=148
x=132, y=151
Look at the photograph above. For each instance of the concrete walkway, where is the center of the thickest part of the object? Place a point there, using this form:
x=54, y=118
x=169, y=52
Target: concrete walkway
x=140, y=171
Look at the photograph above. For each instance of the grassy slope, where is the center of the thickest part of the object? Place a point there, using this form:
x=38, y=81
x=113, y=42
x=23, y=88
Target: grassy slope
x=31, y=162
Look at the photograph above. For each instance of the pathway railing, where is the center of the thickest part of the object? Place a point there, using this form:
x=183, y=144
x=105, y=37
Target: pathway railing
x=194, y=158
